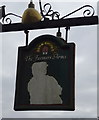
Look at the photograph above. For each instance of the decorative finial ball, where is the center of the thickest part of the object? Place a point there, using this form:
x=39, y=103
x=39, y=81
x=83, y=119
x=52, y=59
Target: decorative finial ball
x=31, y=15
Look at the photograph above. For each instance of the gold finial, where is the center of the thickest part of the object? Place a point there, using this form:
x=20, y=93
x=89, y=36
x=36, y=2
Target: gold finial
x=31, y=15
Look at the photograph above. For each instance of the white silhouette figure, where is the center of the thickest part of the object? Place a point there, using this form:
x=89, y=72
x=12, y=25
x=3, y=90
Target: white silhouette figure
x=43, y=89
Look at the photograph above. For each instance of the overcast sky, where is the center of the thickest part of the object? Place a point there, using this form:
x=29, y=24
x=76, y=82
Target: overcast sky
x=85, y=38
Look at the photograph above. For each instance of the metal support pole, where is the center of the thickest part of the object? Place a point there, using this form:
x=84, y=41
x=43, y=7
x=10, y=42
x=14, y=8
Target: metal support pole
x=26, y=32
x=67, y=28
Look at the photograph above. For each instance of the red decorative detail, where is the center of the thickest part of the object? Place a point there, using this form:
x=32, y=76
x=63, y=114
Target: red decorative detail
x=45, y=50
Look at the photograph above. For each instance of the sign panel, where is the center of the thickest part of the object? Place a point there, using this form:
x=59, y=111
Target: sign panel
x=45, y=75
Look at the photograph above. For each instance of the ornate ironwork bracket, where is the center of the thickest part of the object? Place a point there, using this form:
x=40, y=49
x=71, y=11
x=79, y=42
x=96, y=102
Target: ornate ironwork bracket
x=51, y=19
x=4, y=17
x=49, y=14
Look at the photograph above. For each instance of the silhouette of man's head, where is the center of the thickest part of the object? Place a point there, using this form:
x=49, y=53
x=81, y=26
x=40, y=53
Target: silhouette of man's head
x=39, y=68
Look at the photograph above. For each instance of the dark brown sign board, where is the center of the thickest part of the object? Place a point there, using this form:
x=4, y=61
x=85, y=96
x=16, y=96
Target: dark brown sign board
x=46, y=75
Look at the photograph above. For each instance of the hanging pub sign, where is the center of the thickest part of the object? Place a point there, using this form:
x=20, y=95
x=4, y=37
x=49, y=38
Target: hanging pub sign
x=45, y=75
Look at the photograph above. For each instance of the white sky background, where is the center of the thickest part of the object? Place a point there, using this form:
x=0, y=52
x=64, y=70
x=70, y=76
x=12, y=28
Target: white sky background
x=85, y=38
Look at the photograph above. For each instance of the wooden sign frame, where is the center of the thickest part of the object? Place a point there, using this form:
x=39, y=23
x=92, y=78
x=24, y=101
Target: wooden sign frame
x=60, y=57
